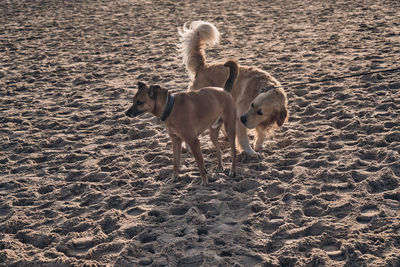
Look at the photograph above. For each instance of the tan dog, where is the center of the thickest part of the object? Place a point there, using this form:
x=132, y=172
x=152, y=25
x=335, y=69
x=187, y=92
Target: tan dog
x=188, y=114
x=260, y=100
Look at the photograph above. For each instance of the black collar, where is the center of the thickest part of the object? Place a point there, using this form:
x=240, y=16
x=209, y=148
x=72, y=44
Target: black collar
x=168, y=107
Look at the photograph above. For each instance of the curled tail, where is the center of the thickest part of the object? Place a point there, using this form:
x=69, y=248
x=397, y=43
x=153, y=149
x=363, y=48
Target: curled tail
x=193, y=38
x=233, y=74
x=229, y=84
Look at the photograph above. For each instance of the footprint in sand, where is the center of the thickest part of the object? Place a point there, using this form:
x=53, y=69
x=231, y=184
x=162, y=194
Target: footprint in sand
x=314, y=208
x=333, y=251
x=179, y=210
x=387, y=181
x=342, y=210
x=157, y=216
x=77, y=247
x=141, y=134
x=358, y=176
x=133, y=230
x=335, y=145
x=246, y=185
x=272, y=225
x=368, y=213
x=274, y=190
x=287, y=163
x=5, y=209
x=393, y=196
x=135, y=211
x=196, y=260
x=109, y=224
x=147, y=236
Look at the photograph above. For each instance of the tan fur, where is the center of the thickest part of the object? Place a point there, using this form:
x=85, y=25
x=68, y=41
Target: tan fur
x=248, y=88
x=192, y=113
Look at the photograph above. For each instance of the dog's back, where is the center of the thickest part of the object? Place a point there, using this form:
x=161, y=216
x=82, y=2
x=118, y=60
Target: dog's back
x=207, y=104
x=211, y=104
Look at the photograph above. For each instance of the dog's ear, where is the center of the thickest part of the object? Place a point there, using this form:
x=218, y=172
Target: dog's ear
x=141, y=85
x=153, y=91
x=280, y=116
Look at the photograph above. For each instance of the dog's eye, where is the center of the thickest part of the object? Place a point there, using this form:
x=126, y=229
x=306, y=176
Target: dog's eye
x=252, y=105
x=259, y=112
x=138, y=103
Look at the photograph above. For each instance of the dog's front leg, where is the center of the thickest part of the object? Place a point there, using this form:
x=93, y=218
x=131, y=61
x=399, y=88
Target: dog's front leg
x=261, y=133
x=176, y=147
x=194, y=145
x=243, y=139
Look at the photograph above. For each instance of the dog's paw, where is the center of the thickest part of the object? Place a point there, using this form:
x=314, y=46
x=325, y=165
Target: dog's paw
x=250, y=152
x=173, y=179
x=219, y=169
x=196, y=183
x=259, y=148
x=232, y=173
x=204, y=180
x=245, y=157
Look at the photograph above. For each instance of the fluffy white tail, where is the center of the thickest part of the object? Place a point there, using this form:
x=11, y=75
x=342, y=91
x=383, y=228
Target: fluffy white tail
x=192, y=41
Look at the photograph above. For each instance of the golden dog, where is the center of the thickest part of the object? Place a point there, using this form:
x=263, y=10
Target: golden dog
x=260, y=100
x=188, y=114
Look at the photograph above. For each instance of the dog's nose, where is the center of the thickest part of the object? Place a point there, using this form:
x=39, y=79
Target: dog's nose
x=243, y=119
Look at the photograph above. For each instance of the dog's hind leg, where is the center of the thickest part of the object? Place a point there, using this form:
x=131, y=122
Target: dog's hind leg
x=231, y=134
x=214, y=138
x=194, y=145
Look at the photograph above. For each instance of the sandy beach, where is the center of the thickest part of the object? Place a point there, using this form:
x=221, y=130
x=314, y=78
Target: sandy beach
x=81, y=184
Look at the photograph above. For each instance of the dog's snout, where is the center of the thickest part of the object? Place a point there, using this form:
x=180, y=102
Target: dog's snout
x=132, y=112
x=243, y=119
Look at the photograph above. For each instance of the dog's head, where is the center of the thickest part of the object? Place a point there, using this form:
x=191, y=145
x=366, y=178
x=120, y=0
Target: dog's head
x=266, y=110
x=144, y=100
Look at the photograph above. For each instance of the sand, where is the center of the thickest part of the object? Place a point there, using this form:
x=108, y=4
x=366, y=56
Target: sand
x=84, y=185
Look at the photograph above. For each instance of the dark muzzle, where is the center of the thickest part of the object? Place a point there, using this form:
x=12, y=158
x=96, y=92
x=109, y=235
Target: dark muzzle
x=133, y=112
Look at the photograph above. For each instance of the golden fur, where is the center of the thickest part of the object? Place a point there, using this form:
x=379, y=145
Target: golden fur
x=252, y=85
